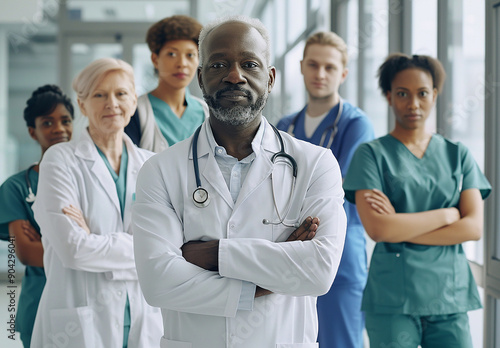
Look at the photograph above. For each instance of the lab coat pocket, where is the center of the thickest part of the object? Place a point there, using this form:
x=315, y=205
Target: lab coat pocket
x=386, y=281
x=73, y=327
x=297, y=345
x=164, y=343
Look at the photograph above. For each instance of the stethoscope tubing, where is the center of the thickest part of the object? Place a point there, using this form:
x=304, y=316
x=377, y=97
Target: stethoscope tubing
x=282, y=153
x=333, y=126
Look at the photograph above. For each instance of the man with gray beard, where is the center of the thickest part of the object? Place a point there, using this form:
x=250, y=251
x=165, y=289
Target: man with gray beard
x=227, y=233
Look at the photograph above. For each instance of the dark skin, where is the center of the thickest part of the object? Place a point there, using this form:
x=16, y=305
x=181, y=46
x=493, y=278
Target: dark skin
x=206, y=254
x=235, y=55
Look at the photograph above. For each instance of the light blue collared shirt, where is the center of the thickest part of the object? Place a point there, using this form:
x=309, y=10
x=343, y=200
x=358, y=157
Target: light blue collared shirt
x=234, y=173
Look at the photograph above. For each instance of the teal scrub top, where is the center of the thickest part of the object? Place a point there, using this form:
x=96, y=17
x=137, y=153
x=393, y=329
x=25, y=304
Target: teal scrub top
x=13, y=193
x=407, y=278
x=121, y=189
x=173, y=128
x=120, y=179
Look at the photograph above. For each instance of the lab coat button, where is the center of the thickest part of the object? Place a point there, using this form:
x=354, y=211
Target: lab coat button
x=119, y=293
x=398, y=255
x=231, y=226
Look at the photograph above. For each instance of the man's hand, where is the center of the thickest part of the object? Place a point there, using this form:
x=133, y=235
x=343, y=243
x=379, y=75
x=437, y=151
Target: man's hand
x=306, y=231
x=202, y=254
x=206, y=254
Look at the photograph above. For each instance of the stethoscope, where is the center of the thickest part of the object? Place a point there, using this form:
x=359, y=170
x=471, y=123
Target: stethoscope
x=333, y=126
x=201, y=197
x=31, y=196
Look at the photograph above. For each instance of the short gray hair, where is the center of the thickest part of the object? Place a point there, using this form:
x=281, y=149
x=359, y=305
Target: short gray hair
x=253, y=22
x=90, y=77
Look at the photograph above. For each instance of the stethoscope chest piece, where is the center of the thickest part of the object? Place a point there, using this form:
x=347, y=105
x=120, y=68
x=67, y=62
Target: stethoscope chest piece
x=201, y=199
x=31, y=196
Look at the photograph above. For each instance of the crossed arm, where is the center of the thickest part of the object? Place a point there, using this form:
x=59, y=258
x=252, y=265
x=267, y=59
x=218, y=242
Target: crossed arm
x=206, y=254
x=446, y=226
x=28, y=244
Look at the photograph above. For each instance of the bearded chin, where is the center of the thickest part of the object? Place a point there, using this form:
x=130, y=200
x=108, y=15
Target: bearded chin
x=237, y=115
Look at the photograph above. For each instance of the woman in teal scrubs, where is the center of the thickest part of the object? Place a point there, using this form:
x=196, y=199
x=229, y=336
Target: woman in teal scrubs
x=49, y=117
x=419, y=197
x=169, y=113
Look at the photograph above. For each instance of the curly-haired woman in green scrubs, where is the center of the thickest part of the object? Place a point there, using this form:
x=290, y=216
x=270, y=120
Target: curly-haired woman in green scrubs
x=49, y=117
x=419, y=197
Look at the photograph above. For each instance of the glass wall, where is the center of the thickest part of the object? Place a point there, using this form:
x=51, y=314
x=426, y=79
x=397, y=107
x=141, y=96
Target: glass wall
x=424, y=34
x=373, y=46
x=452, y=30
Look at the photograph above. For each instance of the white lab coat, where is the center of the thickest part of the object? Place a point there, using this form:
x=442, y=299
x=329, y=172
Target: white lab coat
x=199, y=307
x=89, y=276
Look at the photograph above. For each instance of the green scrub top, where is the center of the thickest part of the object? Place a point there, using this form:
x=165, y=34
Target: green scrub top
x=121, y=189
x=407, y=278
x=120, y=179
x=173, y=128
x=13, y=193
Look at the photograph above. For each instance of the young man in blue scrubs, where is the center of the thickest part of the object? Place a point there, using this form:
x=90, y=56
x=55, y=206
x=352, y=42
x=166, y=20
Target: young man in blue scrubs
x=331, y=122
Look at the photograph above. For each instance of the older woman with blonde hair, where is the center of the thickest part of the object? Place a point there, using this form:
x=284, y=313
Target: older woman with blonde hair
x=92, y=297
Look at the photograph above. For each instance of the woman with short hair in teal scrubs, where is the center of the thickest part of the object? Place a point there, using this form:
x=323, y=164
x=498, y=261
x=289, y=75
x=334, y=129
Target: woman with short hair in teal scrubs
x=169, y=113
x=49, y=117
x=419, y=197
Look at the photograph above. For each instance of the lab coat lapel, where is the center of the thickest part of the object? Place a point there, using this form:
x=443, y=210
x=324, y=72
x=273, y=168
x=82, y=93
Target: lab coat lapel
x=261, y=167
x=211, y=172
x=209, y=169
x=87, y=150
x=133, y=167
x=260, y=170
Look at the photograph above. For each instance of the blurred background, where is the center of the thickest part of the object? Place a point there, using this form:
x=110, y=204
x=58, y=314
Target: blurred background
x=50, y=41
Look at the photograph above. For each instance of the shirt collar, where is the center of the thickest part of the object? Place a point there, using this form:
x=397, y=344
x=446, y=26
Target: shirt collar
x=256, y=142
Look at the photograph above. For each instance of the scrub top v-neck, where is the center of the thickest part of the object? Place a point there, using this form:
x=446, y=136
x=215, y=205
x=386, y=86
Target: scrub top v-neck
x=409, y=278
x=175, y=128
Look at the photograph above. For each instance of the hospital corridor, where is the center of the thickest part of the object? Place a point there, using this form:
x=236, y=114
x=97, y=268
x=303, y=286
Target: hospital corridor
x=250, y=173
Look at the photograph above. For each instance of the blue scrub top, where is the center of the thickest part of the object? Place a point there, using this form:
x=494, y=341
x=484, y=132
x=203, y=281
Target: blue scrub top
x=13, y=193
x=407, y=278
x=354, y=128
x=173, y=128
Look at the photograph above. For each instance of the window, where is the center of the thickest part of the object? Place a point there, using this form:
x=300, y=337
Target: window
x=295, y=95
x=463, y=118
x=349, y=89
x=373, y=48
x=115, y=11
x=424, y=27
x=297, y=20
x=424, y=39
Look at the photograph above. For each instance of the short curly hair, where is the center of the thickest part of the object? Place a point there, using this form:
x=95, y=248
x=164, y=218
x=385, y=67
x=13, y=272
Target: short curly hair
x=397, y=62
x=177, y=27
x=44, y=101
